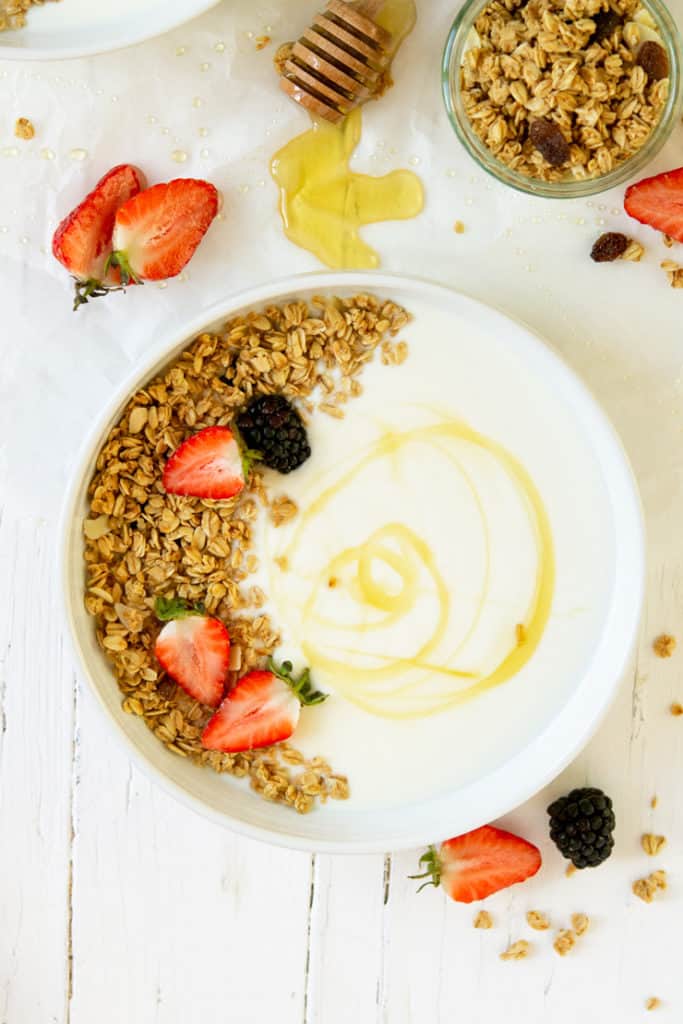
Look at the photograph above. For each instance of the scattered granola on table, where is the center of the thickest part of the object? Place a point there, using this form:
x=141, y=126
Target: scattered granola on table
x=143, y=543
x=652, y=844
x=674, y=273
x=664, y=645
x=580, y=923
x=676, y=709
x=483, y=920
x=563, y=88
x=564, y=941
x=517, y=951
x=538, y=921
x=24, y=129
x=653, y=1003
x=647, y=888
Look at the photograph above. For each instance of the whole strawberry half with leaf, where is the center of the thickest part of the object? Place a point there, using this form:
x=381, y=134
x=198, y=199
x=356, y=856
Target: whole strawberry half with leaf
x=477, y=864
x=262, y=708
x=194, y=649
x=124, y=233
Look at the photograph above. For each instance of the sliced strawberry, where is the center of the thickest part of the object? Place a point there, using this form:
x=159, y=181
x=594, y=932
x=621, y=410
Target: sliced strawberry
x=194, y=649
x=475, y=865
x=156, y=232
x=83, y=241
x=208, y=465
x=262, y=709
x=658, y=201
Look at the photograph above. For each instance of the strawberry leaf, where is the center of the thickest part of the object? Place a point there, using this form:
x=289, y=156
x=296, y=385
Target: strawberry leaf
x=168, y=608
x=302, y=687
x=432, y=863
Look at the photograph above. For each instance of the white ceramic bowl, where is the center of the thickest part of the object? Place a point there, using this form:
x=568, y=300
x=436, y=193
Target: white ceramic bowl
x=80, y=28
x=339, y=827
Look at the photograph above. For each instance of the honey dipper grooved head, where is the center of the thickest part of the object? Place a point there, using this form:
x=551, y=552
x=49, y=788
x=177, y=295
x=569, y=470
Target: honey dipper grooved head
x=338, y=62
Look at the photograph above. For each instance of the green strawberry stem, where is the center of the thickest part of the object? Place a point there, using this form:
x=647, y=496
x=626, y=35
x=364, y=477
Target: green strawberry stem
x=90, y=289
x=119, y=259
x=168, y=608
x=248, y=455
x=302, y=687
x=431, y=861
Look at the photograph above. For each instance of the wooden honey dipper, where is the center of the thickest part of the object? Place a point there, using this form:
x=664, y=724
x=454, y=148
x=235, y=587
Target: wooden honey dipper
x=339, y=60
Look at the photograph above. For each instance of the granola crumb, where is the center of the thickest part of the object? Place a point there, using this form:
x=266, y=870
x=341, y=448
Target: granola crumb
x=653, y=1003
x=24, y=129
x=668, y=241
x=282, y=562
x=580, y=923
x=517, y=951
x=676, y=709
x=664, y=645
x=282, y=55
x=653, y=802
x=564, y=941
x=647, y=888
x=570, y=870
x=459, y=227
x=674, y=273
x=283, y=510
x=538, y=921
x=261, y=42
x=483, y=920
x=652, y=844
x=634, y=252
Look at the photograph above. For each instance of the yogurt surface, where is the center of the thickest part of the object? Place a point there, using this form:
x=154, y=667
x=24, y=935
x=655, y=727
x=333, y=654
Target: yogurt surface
x=421, y=560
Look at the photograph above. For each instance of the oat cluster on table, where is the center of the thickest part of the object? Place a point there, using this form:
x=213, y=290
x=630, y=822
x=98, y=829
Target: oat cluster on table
x=647, y=888
x=142, y=543
x=13, y=12
x=664, y=645
x=561, y=88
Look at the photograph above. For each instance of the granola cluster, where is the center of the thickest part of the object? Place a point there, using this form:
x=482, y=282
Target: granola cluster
x=13, y=12
x=563, y=88
x=141, y=543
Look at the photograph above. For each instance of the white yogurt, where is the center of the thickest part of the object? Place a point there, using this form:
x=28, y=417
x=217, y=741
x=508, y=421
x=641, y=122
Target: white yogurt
x=468, y=374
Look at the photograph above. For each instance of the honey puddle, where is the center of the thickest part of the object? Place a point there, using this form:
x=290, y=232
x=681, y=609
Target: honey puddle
x=384, y=576
x=323, y=203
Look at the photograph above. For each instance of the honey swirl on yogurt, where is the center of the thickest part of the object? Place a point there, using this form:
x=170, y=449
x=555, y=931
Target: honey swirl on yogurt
x=323, y=203
x=427, y=680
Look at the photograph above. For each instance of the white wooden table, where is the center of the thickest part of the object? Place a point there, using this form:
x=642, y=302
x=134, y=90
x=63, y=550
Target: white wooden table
x=116, y=903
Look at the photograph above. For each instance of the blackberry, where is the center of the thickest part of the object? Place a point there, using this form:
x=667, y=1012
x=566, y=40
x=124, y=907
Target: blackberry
x=272, y=426
x=581, y=826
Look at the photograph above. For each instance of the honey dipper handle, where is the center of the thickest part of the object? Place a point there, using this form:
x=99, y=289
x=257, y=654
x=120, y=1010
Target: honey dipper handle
x=370, y=8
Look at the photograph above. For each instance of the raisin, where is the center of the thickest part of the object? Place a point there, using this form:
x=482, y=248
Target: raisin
x=605, y=24
x=609, y=246
x=547, y=138
x=653, y=60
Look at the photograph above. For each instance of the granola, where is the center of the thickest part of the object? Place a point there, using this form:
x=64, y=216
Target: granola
x=142, y=543
x=556, y=89
x=13, y=12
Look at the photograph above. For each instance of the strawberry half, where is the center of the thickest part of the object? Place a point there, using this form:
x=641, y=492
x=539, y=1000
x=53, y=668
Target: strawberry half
x=157, y=232
x=194, y=649
x=658, y=201
x=83, y=241
x=479, y=863
x=262, y=709
x=210, y=464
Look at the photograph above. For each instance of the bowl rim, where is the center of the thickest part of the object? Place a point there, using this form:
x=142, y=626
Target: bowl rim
x=572, y=188
x=178, y=14
x=570, y=718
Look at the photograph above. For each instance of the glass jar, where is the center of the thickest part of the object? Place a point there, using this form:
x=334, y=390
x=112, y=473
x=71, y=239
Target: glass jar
x=459, y=40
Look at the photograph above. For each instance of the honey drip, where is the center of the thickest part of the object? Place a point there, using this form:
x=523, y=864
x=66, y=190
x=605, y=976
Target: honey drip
x=323, y=203
x=402, y=687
